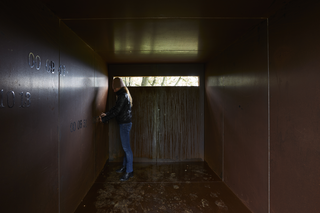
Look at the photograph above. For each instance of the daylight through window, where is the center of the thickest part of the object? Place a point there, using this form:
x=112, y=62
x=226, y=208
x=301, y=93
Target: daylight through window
x=161, y=81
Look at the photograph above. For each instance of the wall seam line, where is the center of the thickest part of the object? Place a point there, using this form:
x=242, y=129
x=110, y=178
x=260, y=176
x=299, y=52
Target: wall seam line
x=269, y=145
x=94, y=129
x=59, y=127
x=223, y=144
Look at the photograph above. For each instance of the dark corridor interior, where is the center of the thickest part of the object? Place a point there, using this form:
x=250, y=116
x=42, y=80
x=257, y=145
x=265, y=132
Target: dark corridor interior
x=246, y=138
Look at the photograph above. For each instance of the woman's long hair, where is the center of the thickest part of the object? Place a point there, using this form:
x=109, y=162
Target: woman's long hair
x=129, y=96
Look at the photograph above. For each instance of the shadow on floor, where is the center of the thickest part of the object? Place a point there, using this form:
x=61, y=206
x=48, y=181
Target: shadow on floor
x=187, y=187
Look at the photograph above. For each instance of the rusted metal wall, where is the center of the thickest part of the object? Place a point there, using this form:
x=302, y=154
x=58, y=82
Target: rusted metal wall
x=214, y=120
x=179, y=124
x=76, y=129
x=169, y=117
x=267, y=139
x=167, y=122
x=28, y=112
x=101, y=133
x=295, y=90
x=51, y=150
x=236, y=133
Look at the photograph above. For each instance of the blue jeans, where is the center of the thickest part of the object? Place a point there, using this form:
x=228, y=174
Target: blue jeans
x=125, y=141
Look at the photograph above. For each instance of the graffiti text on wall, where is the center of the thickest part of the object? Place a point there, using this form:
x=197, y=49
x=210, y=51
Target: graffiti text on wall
x=10, y=99
x=35, y=62
x=78, y=125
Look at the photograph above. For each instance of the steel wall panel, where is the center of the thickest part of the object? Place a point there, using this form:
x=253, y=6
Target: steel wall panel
x=76, y=121
x=240, y=75
x=166, y=124
x=180, y=8
x=46, y=164
x=29, y=126
x=179, y=124
x=196, y=69
x=144, y=116
x=295, y=133
x=214, y=119
x=158, y=40
x=101, y=134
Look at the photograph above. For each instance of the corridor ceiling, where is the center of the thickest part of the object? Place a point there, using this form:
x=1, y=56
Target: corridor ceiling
x=161, y=31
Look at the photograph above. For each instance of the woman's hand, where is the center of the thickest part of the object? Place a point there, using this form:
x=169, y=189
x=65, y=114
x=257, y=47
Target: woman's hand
x=101, y=116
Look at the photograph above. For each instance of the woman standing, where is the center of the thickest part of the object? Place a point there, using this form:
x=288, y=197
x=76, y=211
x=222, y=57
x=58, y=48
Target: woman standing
x=122, y=112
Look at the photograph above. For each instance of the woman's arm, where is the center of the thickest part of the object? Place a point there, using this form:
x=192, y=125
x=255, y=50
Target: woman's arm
x=114, y=111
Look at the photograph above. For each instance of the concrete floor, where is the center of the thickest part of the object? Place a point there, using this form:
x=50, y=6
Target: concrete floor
x=187, y=187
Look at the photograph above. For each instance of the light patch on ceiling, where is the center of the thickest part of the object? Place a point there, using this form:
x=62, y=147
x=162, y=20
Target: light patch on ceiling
x=152, y=38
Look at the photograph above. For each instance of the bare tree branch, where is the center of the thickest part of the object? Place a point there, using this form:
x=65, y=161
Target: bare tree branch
x=154, y=81
x=163, y=81
x=144, y=81
x=178, y=81
x=130, y=81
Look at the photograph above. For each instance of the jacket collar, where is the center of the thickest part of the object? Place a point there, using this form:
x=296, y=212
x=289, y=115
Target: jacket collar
x=122, y=90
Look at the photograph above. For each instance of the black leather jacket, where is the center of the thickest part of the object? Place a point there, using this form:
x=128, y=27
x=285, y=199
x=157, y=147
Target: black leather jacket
x=122, y=109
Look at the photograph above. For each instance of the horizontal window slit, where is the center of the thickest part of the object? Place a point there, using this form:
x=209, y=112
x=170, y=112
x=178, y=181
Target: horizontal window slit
x=160, y=81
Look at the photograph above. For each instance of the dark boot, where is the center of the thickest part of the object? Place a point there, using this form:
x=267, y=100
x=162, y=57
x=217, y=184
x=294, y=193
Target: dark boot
x=126, y=176
x=121, y=170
